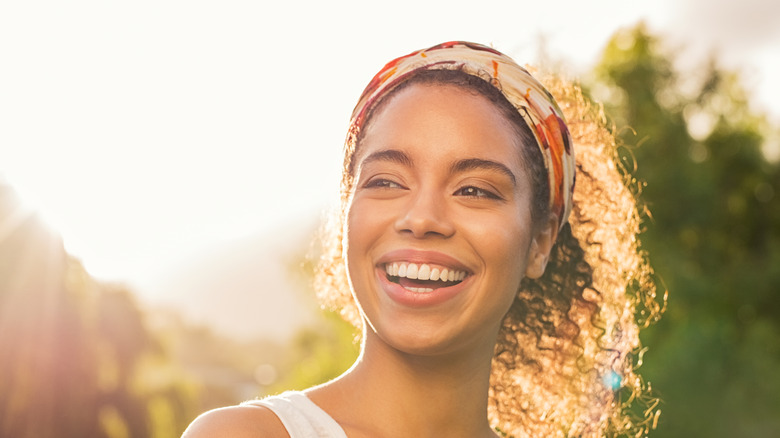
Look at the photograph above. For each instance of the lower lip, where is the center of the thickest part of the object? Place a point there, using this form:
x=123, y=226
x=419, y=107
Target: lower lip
x=407, y=298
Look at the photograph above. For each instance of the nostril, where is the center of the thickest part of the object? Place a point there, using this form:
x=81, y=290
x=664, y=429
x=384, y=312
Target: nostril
x=425, y=228
x=426, y=215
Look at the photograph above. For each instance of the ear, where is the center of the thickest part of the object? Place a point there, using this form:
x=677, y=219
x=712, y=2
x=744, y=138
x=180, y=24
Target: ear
x=541, y=245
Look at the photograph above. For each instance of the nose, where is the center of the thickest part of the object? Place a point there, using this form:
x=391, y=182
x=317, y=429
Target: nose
x=425, y=215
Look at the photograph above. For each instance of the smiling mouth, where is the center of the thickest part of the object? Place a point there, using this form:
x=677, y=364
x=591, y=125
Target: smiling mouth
x=423, y=278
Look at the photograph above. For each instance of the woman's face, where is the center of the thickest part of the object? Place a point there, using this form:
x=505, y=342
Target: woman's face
x=439, y=231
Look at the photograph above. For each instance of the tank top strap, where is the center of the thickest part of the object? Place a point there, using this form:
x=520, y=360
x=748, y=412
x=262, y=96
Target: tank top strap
x=300, y=416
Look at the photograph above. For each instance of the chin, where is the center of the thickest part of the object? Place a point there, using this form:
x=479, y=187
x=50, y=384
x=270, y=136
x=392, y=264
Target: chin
x=429, y=338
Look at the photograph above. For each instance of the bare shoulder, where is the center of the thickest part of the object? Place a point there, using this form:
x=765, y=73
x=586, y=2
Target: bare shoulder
x=237, y=422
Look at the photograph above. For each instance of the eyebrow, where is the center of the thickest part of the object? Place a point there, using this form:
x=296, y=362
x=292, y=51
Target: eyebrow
x=478, y=163
x=396, y=156
x=391, y=155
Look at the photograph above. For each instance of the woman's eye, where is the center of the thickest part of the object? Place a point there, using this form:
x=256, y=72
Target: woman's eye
x=382, y=183
x=476, y=192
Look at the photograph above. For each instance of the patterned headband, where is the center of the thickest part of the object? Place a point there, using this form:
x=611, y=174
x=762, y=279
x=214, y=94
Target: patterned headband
x=532, y=100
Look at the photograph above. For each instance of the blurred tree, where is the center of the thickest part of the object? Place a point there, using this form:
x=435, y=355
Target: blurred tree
x=319, y=354
x=80, y=358
x=70, y=347
x=325, y=350
x=45, y=353
x=714, y=236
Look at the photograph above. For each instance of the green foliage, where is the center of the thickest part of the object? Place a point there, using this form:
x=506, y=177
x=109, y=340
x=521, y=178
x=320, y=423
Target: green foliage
x=321, y=354
x=714, y=237
x=73, y=349
x=80, y=358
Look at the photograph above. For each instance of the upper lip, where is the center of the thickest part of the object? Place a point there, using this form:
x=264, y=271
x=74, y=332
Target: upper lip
x=420, y=257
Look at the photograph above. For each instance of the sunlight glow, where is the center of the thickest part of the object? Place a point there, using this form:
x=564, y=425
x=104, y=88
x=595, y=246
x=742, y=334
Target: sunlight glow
x=146, y=131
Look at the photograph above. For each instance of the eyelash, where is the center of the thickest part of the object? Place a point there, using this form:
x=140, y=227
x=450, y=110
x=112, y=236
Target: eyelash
x=476, y=192
x=382, y=183
x=467, y=191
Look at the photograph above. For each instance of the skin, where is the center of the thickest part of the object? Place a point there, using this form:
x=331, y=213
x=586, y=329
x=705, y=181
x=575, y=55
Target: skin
x=440, y=181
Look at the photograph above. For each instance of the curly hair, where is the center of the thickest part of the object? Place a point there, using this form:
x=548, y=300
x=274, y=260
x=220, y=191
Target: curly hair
x=566, y=357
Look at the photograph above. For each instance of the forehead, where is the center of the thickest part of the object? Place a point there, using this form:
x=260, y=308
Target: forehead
x=442, y=118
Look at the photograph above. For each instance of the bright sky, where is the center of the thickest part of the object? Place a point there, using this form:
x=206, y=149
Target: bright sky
x=146, y=130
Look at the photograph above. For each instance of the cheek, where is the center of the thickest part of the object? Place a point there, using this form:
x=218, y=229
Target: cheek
x=350, y=250
x=504, y=241
x=354, y=227
x=506, y=233
x=361, y=230
x=361, y=233
x=351, y=239
x=510, y=259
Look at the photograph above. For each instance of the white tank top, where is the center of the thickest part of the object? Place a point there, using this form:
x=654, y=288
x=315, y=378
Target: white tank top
x=300, y=416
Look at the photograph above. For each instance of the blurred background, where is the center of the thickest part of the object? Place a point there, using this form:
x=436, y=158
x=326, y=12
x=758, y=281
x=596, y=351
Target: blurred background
x=164, y=167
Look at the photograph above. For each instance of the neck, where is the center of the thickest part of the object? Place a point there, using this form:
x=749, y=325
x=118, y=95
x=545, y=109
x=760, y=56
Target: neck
x=391, y=393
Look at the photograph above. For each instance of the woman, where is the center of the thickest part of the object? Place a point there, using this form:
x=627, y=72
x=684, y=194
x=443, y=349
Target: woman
x=487, y=308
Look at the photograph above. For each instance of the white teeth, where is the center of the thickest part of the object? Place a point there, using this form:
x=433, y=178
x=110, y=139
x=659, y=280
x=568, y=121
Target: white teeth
x=411, y=271
x=414, y=271
x=420, y=289
x=424, y=273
